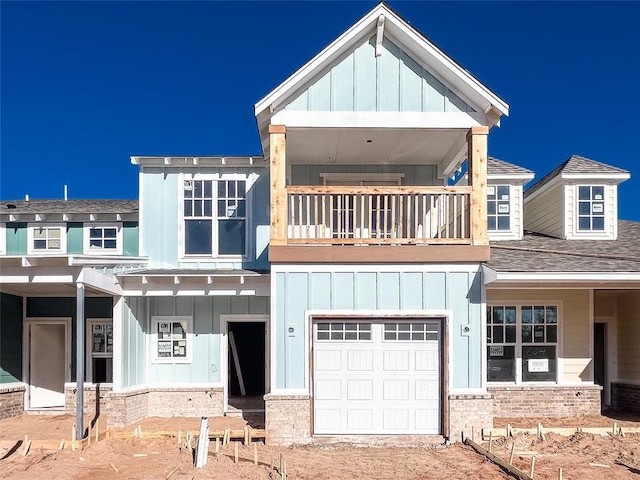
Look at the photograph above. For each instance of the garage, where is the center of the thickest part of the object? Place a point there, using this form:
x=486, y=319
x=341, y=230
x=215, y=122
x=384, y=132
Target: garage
x=376, y=376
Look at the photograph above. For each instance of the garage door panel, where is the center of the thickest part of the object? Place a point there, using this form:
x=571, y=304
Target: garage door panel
x=360, y=361
x=328, y=360
x=359, y=389
x=395, y=419
x=427, y=360
x=426, y=390
x=395, y=360
x=395, y=389
x=330, y=419
x=360, y=420
x=328, y=389
x=427, y=420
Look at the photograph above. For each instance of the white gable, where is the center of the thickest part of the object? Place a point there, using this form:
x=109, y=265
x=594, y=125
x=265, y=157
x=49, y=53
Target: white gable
x=390, y=82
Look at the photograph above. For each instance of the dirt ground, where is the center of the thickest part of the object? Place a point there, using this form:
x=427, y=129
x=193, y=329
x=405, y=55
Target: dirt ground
x=141, y=458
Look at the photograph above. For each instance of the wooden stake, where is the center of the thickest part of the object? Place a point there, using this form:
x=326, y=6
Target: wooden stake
x=273, y=461
x=217, y=447
x=235, y=452
x=490, y=441
x=97, y=432
x=246, y=435
x=180, y=437
x=61, y=445
x=615, y=428
x=509, y=432
x=620, y=432
x=114, y=467
x=73, y=437
x=255, y=454
x=284, y=471
x=171, y=473
x=513, y=448
x=533, y=465
x=473, y=436
x=559, y=474
x=88, y=435
x=27, y=446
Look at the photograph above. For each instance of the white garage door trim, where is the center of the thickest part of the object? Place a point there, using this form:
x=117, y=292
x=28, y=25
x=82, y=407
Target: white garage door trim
x=377, y=376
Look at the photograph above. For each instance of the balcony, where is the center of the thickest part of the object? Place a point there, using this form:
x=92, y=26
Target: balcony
x=380, y=215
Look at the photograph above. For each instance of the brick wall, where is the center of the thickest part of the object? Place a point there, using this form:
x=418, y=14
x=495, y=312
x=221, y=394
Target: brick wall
x=125, y=408
x=11, y=401
x=625, y=396
x=469, y=413
x=543, y=401
x=287, y=419
x=94, y=398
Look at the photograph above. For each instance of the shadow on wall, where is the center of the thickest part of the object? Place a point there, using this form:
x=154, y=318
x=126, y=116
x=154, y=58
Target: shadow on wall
x=10, y=338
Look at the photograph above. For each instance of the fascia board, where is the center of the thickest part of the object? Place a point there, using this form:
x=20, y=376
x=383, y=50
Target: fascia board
x=596, y=176
x=564, y=277
x=524, y=178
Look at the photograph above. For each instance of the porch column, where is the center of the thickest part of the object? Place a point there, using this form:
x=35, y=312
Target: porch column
x=278, y=171
x=477, y=165
x=80, y=326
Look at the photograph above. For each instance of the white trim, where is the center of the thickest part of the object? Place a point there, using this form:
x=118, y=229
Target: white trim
x=595, y=176
x=611, y=351
x=88, y=369
x=26, y=347
x=575, y=278
x=225, y=319
x=378, y=268
x=500, y=177
x=118, y=339
x=86, y=240
x=63, y=238
x=3, y=239
x=153, y=338
x=605, y=234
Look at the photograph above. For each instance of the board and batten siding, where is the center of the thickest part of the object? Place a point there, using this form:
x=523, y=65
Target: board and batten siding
x=363, y=82
x=575, y=326
x=205, y=312
x=364, y=290
x=161, y=226
x=628, y=336
x=545, y=212
x=418, y=175
x=16, y=238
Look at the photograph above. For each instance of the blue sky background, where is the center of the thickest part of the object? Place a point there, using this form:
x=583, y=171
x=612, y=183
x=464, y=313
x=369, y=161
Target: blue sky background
x=84, y=85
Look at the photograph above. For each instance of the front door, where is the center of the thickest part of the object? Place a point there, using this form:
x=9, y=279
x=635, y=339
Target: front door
x=47, y=365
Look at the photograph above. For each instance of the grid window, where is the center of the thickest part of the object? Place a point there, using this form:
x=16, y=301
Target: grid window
x=214, y=207
x=591, y=208
x=522, y=343
x=419, y=332
x=499, y=207
x=347, y=331
x=101, y=352
x=47, y=238
x=103, y=238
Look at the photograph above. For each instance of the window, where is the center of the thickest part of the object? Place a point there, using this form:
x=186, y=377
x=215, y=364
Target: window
x=498, y=207
x=172, y=339
x=522, y=343
x=103, y=238
x=590, y=208
x=214, y=209
x=417, y=332
x=343, y=331
x=47, y=238
x=100, y=365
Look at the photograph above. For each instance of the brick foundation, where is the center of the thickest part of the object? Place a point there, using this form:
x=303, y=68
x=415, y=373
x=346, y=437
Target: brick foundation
x=11, y=400
x=625, y=396
x=94, y=398
x=545, y=401
x=467, y=413
x=287, y=419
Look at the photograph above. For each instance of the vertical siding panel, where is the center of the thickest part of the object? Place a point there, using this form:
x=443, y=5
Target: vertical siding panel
x=435, y=290
x=74, y=237
x=366, y=290
x=152, y=219
x=389, y=79
x=258, y=305
x=457, y=292
x=298, y=301
x=301, y=103
x=475, y=335
x=389, y=291
x=239, y=305
x=433, y=93
x=454, y=103
x=16, y=237
x=342, y=85
x=410, y=84
x=280, y=354
x=299, y=175
x=365, y=78
x=412, y=290
x=320, y=291
x=130, y=239
x=319, y=94
x=342, y=291
x=203, y=331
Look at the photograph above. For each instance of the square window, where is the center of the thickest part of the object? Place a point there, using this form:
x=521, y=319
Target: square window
x=102, y=239
x=46, y=238
x=172, y=339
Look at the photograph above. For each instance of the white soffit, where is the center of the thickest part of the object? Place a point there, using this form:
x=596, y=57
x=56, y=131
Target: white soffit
x=415, y=44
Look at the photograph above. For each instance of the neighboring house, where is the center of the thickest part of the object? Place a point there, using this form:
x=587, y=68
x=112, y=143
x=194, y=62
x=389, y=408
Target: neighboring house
x=337, y=282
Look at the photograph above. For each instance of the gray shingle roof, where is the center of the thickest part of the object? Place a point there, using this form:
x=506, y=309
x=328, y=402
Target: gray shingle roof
x=68, y=206
x=495, y=166
x=540, y=253
x=575, y=165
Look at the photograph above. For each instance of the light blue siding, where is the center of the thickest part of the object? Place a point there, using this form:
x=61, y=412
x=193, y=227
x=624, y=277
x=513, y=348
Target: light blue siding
x=205, y=311
x=458, y=292
x=160, y=219
x=422, y=175
x=392, y=82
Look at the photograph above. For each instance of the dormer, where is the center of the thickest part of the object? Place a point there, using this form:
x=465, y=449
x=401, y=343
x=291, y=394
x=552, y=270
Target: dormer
x=577, y=200
x=504, y=199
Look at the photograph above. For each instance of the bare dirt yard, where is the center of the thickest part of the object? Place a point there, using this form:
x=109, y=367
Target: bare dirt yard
x=163, y=458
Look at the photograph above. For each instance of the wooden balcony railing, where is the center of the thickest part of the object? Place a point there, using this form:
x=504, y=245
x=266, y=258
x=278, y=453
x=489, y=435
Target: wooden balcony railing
x=378, y=215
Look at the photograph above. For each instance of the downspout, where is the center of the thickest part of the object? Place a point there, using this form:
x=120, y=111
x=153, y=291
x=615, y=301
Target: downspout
x=80, y=327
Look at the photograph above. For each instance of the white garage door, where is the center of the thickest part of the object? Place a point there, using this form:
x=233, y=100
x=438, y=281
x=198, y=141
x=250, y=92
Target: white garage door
x=376, y=377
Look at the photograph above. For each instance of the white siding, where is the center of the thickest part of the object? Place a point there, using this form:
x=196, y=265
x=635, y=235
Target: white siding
x=544, y=213
x=628, y=335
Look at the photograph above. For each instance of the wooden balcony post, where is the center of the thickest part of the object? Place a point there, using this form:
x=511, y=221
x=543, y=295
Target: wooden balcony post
x=278, y=175
x=477, y=163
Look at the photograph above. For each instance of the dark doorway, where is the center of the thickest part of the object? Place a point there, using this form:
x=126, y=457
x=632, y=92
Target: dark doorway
x=599, y=358
x=248, y=338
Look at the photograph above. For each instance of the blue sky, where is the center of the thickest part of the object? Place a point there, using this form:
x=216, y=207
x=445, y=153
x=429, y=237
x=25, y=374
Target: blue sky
x=84, y=85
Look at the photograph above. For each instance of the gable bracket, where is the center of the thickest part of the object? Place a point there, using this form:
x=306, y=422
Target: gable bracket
x=379, y=35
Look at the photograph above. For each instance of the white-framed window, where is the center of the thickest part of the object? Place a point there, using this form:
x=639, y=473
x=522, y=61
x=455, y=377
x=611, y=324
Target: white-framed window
x=47, y=238
x=414, y=332
x=347, y=331
x=214, y=214
x=172, y=339
x=499, y=207
x=100, y=349
x=522, y=343
x=103, y=238
x=591, y=208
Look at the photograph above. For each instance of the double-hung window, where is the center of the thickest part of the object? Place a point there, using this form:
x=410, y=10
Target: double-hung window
x=522, y=343
x=498, y=207
x=214, y=216
x=591, y=208
x=103, y=238
x=43, y=238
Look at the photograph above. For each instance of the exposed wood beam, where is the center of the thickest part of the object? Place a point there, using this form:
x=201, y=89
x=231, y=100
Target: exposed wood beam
x=278, y=193
x=477, y=163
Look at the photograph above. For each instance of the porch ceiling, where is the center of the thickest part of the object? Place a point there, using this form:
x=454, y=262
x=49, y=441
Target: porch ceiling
x=373, y=146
